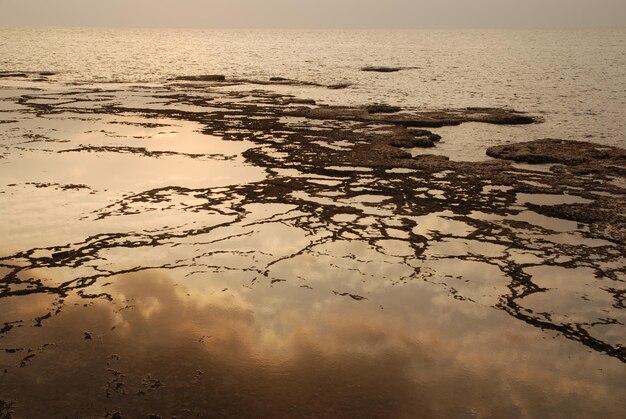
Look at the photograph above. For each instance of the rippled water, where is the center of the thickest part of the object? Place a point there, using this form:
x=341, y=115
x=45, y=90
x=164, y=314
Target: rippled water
x=577, y=78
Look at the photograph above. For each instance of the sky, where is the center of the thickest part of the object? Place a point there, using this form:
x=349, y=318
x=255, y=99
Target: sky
x=316, y=14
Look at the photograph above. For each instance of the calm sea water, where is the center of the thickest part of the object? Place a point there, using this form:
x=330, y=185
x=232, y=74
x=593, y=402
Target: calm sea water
x=151, y=266
x=576, y=79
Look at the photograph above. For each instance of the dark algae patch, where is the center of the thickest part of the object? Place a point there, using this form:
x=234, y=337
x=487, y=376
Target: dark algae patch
x=208, y=248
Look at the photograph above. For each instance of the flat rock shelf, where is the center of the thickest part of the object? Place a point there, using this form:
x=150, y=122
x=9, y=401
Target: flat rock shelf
x=208, y=247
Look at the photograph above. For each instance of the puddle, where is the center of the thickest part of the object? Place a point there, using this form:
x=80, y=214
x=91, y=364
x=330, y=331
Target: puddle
x=441, y=223
x=487, y=189
x=572, y=295
x=344, y=218
x=400, y=171
x=549, y=223
x=550, y=199
x=365, y=198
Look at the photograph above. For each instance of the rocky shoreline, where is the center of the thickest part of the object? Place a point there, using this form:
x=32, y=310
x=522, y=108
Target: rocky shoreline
x=341, y=189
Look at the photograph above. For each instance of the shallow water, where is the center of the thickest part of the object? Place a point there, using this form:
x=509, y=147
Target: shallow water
x=161, y=259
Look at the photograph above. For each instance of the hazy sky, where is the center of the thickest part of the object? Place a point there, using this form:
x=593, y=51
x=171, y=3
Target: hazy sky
x=316, y=13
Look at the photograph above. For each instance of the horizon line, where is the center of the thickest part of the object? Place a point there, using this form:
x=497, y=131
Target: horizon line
x=468, y=28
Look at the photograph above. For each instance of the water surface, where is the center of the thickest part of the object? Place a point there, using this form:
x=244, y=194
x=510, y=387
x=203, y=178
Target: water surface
x=179, y=250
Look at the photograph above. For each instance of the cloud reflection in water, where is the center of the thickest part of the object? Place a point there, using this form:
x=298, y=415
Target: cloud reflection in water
x=161, y=347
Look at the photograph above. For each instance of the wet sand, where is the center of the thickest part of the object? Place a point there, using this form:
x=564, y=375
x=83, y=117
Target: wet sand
x=212, y=248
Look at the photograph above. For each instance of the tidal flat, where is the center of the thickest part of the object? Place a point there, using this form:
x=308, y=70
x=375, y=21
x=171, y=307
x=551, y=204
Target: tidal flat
x=207, y=247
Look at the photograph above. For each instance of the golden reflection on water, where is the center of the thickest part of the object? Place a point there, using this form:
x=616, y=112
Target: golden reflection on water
x=159, y=346
x=249, y=300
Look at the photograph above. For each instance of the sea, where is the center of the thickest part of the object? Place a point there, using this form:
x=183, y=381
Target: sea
x=574, y=79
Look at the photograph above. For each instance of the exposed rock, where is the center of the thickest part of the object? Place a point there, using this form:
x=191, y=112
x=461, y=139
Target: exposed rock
x=401, y=155
x=274, y=81
x=607, y=220
x=61, y=255
x=12, y=74
x=24, y=74
x=550, y=150
x=595, y=167
x=431, y=157
x=381, y=108
x=5, y=410
x=297, y=101
x=438, y=118
x=383, y=69
x=346, y=141
x=339, y=86
x=408, y=139
x=413, y=142
x=206, y=77
x=606, y=217
x=353, y=296
x=268, y=82
x=424, y=133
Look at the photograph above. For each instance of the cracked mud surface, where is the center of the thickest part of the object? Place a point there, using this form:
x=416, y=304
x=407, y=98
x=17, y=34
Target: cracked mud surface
x=210, y=249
